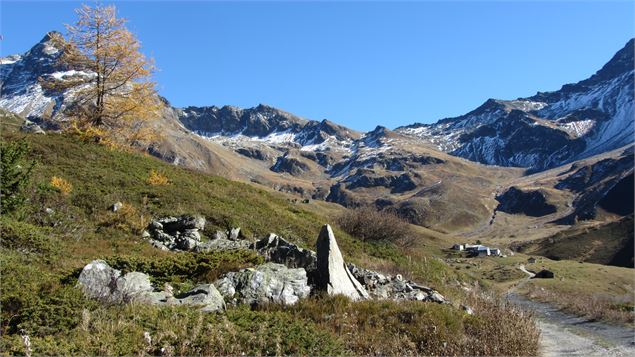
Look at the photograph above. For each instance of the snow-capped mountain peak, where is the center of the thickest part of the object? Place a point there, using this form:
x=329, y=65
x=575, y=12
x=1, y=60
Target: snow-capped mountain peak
x=548, y=129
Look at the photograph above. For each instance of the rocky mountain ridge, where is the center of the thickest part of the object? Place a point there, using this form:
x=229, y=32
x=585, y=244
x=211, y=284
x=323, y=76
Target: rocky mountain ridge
x=418, y=171
x=548, y=129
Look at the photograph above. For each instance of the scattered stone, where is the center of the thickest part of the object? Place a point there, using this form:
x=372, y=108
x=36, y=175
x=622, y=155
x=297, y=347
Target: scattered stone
x=116, y=206
x=132, y=287
x=205, y=295
x=332, y=274
x=222, y=244
x=98, y=280
x=234, y=233
x=220, y=235
x=267, y=283
x=468, y=310
x=380, y=286
x=31, y=127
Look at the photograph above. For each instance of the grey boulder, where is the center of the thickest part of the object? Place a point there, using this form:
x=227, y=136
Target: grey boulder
x=206, y=296
x=98, y=280
x=267, y=283
x=101, y=282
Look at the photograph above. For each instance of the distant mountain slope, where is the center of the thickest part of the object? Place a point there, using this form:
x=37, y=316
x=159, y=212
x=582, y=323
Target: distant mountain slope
x=414, y=171
x=548, y=129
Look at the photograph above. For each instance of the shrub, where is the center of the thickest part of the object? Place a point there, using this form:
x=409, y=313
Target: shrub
x=15, y=174
x=156, y=178
x=186, y=267
x=127, y=218
x=368, y=224
x=34, y=300
x=120, y=330
x=63, y=186
x=26, y=238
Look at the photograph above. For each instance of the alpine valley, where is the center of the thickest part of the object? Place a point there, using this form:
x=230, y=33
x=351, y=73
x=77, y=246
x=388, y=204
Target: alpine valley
x=519, y=173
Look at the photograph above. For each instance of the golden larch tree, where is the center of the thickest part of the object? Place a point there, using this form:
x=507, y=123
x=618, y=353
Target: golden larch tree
x=116, y=94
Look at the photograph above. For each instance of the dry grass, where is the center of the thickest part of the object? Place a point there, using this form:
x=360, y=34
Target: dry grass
x=391, y=328
x=596, y=306
x=127, y=218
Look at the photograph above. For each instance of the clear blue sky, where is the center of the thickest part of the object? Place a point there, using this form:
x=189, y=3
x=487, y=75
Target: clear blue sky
x=358, y=64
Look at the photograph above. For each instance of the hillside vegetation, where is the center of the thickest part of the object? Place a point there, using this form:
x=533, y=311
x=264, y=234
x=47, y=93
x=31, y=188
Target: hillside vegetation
x=66, y=223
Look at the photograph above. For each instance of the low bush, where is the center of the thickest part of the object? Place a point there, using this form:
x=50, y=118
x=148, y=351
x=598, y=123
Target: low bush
x=15, y=174
x=127, y=219
x=26, y=238
x=170, y=331
x=369, y=224
x=36, y=301
x=186, y=267
x=156, y=178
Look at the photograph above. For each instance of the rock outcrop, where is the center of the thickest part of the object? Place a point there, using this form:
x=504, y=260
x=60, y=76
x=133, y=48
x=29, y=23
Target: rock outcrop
x=332, y=274
x=380, y=286
x=101, y=282
x=290, y=273
x=267, y=283
x=277, y=250
x=31, y=127
x=176, y=233
x=182, y=234
x=531, y=203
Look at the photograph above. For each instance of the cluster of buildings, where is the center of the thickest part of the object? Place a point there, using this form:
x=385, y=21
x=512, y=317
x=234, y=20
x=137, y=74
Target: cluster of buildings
x=478, y=250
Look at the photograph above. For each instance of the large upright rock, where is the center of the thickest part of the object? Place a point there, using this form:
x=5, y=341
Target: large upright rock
x=333, y=275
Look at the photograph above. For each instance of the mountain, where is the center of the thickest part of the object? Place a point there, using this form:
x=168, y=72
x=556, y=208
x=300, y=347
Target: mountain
x=548, y=129
x=430, y=174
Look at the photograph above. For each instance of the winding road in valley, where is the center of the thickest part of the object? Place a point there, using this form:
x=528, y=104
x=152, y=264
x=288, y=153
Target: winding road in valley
x=564, y=334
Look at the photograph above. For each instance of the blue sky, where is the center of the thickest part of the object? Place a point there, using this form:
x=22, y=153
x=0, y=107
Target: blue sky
x=360, y=64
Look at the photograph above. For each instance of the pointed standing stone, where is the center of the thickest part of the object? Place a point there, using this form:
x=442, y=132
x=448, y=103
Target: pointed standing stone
x=333, y=275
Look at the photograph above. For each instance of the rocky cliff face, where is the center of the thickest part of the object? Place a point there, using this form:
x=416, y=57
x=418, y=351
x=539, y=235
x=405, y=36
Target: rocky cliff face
x=548, y=129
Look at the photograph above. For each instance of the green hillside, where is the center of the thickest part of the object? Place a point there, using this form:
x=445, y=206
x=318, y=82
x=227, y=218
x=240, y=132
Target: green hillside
x=66, y=222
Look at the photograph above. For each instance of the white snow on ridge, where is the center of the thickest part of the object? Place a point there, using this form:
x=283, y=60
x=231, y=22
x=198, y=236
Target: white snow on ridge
x=10, y=59
x=526, y=105
x=31, y=103
x=63, y=75
x=578, y=128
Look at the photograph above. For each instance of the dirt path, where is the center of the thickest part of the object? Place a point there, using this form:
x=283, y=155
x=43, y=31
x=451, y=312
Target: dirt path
x=563, y=334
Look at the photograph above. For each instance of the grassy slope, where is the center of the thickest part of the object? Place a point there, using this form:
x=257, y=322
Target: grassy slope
x=43, y=252
x=610, y=244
